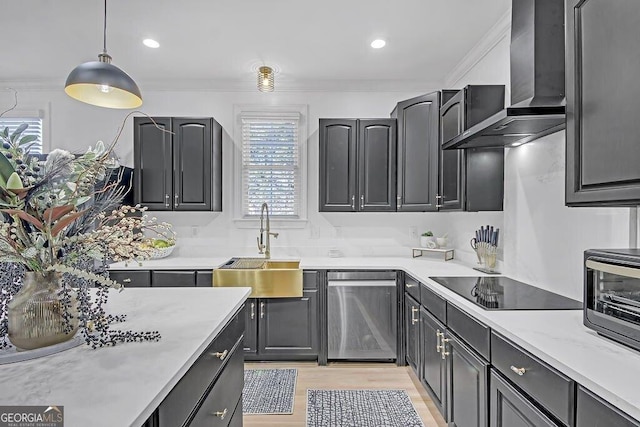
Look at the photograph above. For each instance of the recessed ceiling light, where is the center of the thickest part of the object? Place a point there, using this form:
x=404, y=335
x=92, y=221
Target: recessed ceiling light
x=151, y=43
x=378, y=43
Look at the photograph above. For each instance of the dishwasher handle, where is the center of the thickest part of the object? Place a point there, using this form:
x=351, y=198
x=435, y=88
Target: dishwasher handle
x=361, y=275
x=361, y=283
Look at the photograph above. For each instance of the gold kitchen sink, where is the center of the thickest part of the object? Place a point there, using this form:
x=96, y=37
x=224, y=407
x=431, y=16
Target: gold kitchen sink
x=267, y=278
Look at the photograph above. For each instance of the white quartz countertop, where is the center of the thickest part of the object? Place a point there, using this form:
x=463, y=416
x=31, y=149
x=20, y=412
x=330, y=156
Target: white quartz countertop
x=559, y=338
x=123, y=385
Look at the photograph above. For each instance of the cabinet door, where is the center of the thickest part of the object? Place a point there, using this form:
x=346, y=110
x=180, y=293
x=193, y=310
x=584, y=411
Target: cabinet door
x=192, y=158
x=412, y=332
x=173, y=278
x=433, y=373
x=251, y=326
x=509, y=407
x=289, y=326
x=591, y=411
x=418, y=141
x=603, y=130
x=466, y=385
x=153, y=163
x=451, y=162
x=377, y=165
x=337, y=186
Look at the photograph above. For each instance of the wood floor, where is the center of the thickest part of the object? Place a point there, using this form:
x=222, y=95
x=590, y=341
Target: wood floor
x=346, y=376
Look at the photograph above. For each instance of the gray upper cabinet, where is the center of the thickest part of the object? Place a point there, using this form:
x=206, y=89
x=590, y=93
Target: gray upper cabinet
x=181, y=170
x=338, y=165
x=603, y=130
x=357, y=165
x=473, y=179
x=417, y=153
x=153, y=158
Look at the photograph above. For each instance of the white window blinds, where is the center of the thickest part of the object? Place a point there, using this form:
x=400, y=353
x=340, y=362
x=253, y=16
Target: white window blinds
x=271, y=164
x=35, y=128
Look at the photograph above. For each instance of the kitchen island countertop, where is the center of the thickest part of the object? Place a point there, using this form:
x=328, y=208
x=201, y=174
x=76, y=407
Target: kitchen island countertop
x=123, y=385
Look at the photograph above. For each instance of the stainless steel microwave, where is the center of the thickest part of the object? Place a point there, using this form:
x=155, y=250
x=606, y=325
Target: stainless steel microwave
x=612, y=294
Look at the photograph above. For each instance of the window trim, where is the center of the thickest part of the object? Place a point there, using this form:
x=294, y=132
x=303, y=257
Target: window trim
x=276, y=111
x=43, y=114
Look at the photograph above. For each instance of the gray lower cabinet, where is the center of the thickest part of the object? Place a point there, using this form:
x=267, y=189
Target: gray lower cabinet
x=178, y=163
x=289, y=326
x=357, y=165
x=173, y=278
x=433, y=369
x=602, y=100
x=510, y=408
x=412, y=332
x=162, y=278
x=418, y=147
x=467, y=384
x=210, y=392
x=131, y=278
x=592, y=411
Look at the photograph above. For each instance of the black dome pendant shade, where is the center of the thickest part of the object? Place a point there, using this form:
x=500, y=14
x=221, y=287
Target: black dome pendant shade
x=101, y=83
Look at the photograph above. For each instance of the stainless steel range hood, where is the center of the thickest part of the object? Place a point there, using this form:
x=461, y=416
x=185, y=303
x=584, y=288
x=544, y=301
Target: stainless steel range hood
x=537, y=80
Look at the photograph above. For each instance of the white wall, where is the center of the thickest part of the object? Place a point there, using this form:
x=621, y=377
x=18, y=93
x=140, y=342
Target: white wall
x=543, y=239
x=75, y=126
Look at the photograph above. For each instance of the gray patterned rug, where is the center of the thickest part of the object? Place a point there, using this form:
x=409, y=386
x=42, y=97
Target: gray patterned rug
x=361, y=408
x=268, y=391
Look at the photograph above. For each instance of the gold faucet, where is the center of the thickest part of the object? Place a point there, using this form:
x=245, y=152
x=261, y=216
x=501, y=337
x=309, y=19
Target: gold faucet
x=265, y=248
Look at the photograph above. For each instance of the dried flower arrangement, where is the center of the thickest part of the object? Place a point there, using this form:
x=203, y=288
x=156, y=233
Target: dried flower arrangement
x=61, y=215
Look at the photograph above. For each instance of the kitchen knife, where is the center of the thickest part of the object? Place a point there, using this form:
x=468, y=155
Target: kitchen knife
x=497, y=236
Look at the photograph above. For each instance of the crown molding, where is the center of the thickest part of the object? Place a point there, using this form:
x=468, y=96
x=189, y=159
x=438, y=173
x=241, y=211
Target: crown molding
x=500, y=30
x=245, y=85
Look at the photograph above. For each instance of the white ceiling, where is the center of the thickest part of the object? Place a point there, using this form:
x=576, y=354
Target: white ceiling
x=225, y=40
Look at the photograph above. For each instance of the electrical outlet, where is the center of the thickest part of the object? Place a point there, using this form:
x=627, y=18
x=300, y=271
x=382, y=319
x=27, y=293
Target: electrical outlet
x=414, y=232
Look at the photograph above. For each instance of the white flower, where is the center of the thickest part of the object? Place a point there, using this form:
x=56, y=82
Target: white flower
x=60, y=162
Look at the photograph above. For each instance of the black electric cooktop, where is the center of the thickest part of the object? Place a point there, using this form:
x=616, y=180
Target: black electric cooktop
x=503, y=293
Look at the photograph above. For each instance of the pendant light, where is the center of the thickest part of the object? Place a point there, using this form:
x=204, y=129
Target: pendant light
x=101, y=83
x=265, y=79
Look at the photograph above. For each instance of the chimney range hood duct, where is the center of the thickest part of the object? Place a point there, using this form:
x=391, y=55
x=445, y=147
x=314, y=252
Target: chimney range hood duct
x=537, y=80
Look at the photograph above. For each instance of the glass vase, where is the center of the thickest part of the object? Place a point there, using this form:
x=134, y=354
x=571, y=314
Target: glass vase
x=36, y=314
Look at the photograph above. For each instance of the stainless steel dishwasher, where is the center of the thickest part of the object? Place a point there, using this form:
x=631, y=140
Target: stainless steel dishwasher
x=362, y=315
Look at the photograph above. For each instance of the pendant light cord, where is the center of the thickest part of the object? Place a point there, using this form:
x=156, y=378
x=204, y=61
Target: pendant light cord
x=104, y=32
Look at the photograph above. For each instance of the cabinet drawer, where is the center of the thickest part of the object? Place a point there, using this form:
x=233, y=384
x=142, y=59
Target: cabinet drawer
x=204, y=278
x=412, y=286
x=509, y=408
x=474, y=333
x=434, y=303
x=218, y=408
x=309, y=279
x=551, y=389
x=591, y=411
x=177, y=406
x=131, y=278
x=173, y=279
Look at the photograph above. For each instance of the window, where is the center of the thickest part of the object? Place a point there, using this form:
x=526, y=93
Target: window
x=271, y=159
x=35, y=128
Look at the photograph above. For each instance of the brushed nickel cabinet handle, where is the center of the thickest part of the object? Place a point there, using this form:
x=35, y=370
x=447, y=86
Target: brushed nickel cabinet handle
x=409, y=285
x=262, y=310
x=444, y=353
x=166, y=201
x=221, y=414
x=219, y=355
x=439, y=335
x=253, y=313
x=353, y=203
x=399, y=198
x=362, y=201
x=519, y=371
x=176, y=197
x=413, y=318
x=127, y=280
